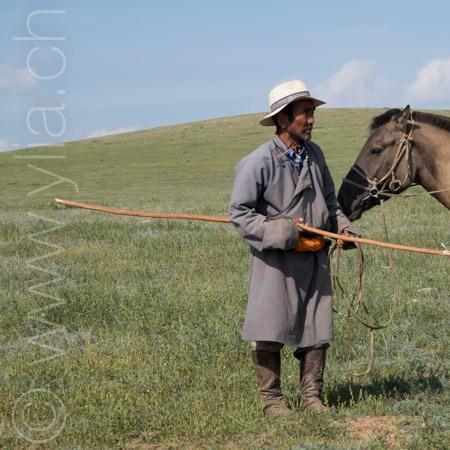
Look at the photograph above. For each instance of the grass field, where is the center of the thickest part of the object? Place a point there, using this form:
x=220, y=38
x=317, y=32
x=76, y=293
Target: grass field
x=121, y=332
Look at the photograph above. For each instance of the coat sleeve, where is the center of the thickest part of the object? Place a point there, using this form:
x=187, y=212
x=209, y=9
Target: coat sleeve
x=338, y=221
x=257, y=230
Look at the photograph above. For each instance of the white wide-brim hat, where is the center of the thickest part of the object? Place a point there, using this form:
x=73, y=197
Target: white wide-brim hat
x=283, y=94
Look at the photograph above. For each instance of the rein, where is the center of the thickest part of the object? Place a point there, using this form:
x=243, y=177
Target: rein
x=356, y=307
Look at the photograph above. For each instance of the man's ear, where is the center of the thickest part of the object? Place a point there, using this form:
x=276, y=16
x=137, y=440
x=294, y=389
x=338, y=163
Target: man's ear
x=282, y=119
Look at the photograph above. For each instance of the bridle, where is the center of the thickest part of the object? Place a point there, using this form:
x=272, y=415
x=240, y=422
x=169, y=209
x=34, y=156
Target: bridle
x=389, y=184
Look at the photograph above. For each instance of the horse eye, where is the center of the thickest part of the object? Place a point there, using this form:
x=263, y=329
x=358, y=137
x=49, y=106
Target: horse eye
x=376, y=150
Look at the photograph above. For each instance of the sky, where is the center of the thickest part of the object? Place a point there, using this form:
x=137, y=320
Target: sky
x=83, y=68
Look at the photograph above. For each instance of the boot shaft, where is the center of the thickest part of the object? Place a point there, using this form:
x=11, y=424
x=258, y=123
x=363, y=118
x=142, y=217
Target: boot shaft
x=312, y=367
x=267, y=367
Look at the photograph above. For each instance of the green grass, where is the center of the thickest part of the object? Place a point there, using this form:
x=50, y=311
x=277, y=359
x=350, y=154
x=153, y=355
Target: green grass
x=147, y=314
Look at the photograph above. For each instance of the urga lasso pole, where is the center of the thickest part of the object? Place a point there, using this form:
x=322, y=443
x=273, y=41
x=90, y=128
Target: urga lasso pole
x=225, y=219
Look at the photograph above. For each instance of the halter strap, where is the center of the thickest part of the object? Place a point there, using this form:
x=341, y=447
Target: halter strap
x=377, y=188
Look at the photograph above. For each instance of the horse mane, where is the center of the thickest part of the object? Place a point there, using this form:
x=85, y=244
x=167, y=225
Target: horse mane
x=439, y=121
x=383, y=118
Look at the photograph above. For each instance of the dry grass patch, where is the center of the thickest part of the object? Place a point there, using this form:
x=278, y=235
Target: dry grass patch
x=391, y=431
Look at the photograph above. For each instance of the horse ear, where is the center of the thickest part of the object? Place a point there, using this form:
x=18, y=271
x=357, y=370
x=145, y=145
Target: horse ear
x=406, y=115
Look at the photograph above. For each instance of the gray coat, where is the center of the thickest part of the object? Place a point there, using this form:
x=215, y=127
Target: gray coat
x=289, y=293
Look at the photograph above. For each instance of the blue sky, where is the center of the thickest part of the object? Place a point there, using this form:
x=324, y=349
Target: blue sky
x=140, y=64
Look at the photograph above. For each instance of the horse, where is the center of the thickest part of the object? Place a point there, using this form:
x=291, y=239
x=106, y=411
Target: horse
x=404, y=148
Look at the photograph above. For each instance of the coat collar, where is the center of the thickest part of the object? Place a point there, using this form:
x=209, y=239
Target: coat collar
x=280, y=148
x=304, y=181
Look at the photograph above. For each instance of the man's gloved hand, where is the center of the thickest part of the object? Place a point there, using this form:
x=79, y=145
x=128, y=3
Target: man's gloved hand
x=308, y=242
x=312, y=243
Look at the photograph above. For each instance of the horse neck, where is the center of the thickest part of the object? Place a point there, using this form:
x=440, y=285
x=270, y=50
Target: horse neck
x=431, y=160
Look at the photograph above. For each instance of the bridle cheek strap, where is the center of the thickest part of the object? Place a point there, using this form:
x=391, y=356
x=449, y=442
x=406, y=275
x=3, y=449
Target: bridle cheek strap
x=389, y=184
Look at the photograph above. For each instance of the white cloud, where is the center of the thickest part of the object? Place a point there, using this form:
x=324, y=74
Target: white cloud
x=431, y=88
x=103, y=132
x=357, y=83
x=16, y=80
x=360, y=83
x=4, y=145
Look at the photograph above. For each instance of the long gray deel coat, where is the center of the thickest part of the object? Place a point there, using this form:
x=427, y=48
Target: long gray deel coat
x=289, y=293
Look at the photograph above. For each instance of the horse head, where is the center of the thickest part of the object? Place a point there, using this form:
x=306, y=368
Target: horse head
x=382, y=168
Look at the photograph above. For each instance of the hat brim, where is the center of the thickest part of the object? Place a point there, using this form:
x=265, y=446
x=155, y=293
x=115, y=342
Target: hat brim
x=267, y=120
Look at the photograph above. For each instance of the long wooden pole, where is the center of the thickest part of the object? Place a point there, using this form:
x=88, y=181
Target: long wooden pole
x=224, y=219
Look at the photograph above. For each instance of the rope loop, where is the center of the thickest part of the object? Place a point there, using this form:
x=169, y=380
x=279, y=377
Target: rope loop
x=395, y=185
x=356, y=307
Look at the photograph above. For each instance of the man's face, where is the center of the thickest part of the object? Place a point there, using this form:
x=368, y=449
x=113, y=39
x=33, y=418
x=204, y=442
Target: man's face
x=301, y=125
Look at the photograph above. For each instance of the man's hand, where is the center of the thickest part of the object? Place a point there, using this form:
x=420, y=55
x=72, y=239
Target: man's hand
x=297, y=220
x=345, y=244
x=300, y=220
x=308, y=242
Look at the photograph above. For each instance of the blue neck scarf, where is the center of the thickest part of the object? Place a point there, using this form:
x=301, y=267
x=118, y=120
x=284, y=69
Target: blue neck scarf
x=298, y=156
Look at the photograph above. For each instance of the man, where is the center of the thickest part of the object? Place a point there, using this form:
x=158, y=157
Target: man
x=284, y=181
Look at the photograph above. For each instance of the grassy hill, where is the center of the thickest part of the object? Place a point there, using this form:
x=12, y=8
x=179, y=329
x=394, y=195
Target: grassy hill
x=129, y=328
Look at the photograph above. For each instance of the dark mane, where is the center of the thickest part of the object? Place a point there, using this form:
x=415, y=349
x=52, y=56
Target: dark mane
x=437, y=120
x=383, y=118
